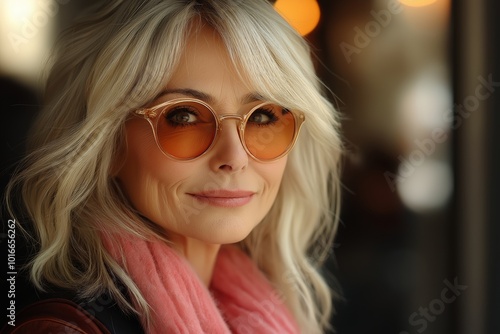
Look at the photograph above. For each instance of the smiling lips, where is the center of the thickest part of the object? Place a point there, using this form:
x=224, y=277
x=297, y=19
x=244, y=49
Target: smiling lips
x=224, y=198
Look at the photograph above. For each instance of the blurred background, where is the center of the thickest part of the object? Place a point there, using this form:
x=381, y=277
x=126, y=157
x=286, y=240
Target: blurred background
x=417, y=83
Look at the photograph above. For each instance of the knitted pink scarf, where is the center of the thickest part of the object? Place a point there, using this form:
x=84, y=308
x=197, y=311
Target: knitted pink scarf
x=240, y=298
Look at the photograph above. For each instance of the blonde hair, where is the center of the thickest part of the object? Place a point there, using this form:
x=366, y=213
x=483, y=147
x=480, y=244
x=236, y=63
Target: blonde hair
x=117, y=60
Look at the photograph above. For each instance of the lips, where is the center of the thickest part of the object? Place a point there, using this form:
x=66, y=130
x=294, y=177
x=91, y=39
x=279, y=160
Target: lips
x=224, y=198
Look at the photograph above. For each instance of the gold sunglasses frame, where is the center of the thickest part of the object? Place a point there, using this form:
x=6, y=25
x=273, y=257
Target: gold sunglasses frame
x=151, y=115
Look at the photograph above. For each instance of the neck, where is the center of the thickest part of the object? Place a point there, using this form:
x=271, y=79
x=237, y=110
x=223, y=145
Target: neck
x=200, y=255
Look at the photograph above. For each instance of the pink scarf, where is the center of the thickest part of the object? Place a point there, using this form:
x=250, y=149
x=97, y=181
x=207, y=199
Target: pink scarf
x=240, y=299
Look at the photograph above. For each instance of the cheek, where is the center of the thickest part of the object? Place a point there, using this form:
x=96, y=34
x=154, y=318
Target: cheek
x=147, y=177
x=272, y=173
x=139, y=155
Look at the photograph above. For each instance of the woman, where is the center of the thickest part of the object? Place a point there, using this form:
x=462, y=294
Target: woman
x=185, y=164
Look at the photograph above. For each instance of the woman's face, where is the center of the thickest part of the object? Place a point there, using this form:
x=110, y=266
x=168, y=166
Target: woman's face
x=219, y=197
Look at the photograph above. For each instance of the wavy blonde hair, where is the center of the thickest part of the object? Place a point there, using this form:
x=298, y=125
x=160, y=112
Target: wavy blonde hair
x=118, y=59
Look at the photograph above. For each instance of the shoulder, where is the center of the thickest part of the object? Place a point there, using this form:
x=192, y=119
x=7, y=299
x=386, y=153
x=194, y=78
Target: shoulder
x=61, y=311
x=54, y=315
x=58, y=310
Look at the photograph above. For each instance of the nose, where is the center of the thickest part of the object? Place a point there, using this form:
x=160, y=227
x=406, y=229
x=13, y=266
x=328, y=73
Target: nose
x=228, y=152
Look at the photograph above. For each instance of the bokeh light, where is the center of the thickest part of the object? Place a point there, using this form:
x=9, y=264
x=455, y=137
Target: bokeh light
x=303, y=15
x=417, y=3
x=25, y=37
x=428, y=186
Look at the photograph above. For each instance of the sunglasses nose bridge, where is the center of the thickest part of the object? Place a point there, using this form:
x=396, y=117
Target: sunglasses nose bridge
x=228, y=116
x=239, y=122
x=237, y=117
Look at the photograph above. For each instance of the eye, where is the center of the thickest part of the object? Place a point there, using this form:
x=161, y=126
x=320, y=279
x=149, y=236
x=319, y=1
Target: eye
x=263, y=116
x=182, y=116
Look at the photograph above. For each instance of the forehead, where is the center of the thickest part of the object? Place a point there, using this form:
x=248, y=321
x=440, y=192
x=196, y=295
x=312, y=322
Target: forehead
x=205, y=66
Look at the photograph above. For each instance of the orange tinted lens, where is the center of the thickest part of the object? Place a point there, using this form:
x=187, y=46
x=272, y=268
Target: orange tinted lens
x=269, y=131
x=186, y=130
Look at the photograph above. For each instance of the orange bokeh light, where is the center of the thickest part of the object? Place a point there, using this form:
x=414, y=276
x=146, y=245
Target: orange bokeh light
x=303, y=15
x=417, y=3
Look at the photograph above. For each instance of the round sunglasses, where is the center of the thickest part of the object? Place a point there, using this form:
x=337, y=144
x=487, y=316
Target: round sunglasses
x=187, y=128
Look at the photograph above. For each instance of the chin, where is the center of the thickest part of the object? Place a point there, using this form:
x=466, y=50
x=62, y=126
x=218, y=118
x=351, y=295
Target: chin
x=226, y=232
x=224, y=238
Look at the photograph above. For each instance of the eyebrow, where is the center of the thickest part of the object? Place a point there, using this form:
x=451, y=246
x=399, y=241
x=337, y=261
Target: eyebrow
x=251, y=97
